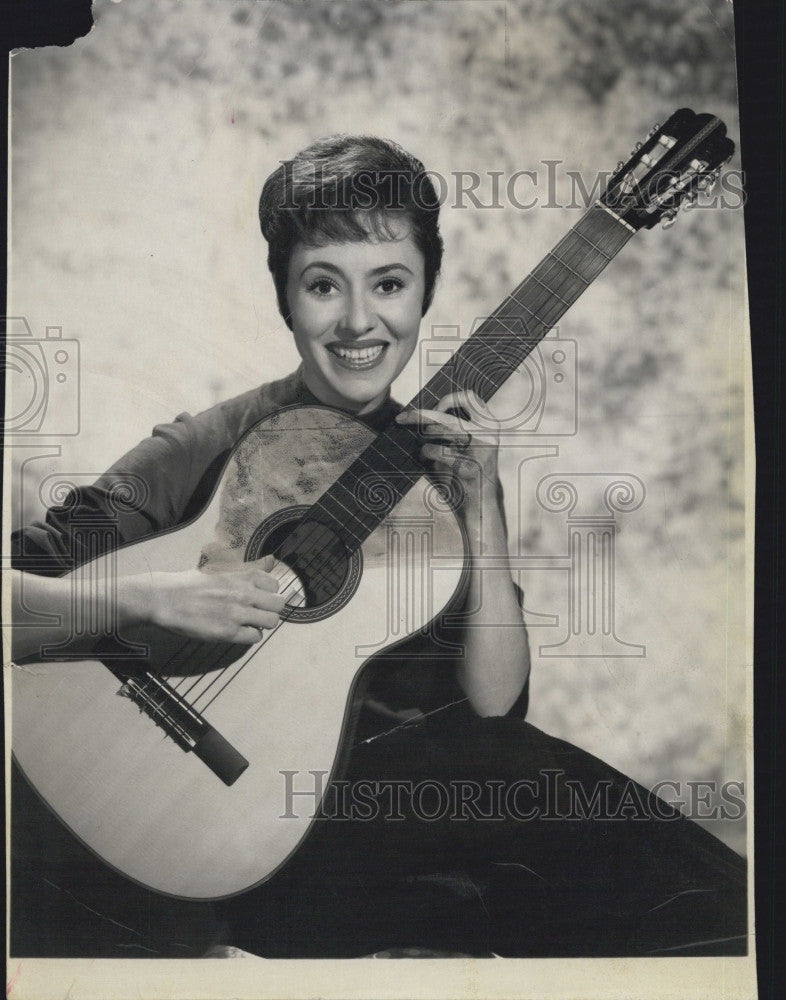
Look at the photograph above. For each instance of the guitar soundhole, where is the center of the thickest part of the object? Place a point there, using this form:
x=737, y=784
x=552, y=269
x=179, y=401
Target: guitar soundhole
x=328, y=574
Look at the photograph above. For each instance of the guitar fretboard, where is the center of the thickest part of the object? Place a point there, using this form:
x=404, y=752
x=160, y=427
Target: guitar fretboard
x=380, y=476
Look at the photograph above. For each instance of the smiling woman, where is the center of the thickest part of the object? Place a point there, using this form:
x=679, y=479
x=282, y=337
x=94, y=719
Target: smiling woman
x=355, y=251
x=355, y=310
x=436, y=830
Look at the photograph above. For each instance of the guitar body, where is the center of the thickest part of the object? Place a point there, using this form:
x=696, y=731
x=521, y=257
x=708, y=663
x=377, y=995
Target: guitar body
x=129, y=791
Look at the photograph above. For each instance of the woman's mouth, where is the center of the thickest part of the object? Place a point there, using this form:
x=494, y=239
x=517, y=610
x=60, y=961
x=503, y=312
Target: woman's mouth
x=357, y=357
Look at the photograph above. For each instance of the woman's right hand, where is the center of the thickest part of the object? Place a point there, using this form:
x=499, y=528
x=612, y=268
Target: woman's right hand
x=225, y=605
x=232, y=605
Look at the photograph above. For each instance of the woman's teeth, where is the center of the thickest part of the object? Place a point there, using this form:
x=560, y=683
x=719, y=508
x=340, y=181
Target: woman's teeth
x=359, y=355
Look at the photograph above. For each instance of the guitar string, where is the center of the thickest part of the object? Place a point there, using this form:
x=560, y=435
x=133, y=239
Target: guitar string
x=237, y=665
x=243, y=665
x=250, y=652
x=547, y=267
x=253, y=651
x=160, y=706
x=210, y=647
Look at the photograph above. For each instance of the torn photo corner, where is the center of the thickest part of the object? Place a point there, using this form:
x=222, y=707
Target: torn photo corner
x=378, y=459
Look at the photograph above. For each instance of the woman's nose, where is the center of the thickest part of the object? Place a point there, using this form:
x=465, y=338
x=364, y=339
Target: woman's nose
x=359, y=317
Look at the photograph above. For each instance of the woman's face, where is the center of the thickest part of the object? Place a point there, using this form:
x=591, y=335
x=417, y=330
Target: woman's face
x=356, y=310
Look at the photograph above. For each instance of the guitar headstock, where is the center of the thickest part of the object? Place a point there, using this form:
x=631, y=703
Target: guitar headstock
x=676, y=161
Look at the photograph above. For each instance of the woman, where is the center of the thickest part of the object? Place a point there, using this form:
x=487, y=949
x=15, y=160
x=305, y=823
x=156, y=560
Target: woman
x=355, y=252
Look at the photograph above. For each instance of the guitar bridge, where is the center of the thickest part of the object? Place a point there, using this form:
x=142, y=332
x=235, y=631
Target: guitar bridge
x=186, y=726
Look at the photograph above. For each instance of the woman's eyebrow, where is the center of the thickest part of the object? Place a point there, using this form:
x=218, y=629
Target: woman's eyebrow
x=327, y=266
x=390, y=267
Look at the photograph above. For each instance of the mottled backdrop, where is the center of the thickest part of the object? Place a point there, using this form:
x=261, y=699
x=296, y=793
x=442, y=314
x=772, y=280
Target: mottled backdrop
x=138, y=154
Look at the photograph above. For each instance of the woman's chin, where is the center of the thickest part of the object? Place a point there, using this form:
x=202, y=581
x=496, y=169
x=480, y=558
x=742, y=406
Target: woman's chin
x=359, y=390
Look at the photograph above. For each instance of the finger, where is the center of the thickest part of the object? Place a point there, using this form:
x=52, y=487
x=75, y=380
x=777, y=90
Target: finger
x=265, y=563
x=452, y=437
x=428, y=420
x=259, y=618
x=247, y=635
x=264, y=580
x=267, y=601
x=463, y=399
x=444, y=455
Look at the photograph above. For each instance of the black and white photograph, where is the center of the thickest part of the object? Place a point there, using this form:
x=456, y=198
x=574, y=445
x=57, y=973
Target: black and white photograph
x=378, y=495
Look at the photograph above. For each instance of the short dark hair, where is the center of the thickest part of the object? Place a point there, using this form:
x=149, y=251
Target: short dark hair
x=346, y=188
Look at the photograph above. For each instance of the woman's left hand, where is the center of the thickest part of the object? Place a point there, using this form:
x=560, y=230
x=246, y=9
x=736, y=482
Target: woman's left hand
x=459, y=445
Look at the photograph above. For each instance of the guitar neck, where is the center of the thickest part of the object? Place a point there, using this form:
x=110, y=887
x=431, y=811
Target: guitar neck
x=522, y=320
x=368, y=490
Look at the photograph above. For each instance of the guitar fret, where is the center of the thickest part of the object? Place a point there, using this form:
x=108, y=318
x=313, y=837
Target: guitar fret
x=392, y=439
x=504, y=320
x=564, y=281
x=532, y=313
x=391, y=465
x=614, y=216
x=474, y=367
x=520, y=349
x=389, y=437
x=580, y=257
x=323, y=505
x=556, y=265
x=510, y=336
x=586, y=239
x=490, y=347
x=548, y=289
x=352, y=493
x=331, y=495
x=435, y=397
x=538, y=296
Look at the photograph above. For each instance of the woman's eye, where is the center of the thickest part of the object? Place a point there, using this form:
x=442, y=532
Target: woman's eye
x=389, y=285
x=322, y=286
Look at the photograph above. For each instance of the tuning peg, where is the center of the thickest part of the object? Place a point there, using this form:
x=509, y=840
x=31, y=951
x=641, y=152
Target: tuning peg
x=689, y=201
x=668, y=217
x=707, y=182
x=620, y=165
x=653, y=130
x=636, y=148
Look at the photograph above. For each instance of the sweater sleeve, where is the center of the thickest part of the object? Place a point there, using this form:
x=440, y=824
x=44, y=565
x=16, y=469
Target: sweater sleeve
x=162, y=482
x=142, y=493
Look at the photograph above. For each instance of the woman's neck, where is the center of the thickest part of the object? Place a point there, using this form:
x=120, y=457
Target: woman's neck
x=328, y=398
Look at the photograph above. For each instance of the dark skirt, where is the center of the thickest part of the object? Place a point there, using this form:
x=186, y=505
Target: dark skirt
x=487, y=836
x=455, y=835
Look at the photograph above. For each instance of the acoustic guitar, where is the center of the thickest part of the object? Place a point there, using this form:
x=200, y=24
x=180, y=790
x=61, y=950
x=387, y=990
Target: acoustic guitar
x=165, y=755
